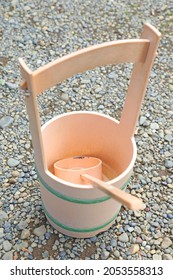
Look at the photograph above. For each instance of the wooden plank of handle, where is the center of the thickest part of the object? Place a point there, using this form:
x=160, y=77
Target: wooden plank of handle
x=130, y=201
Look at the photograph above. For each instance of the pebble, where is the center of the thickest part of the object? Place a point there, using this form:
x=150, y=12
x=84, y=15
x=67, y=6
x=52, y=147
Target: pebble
x=25, y=233
x=148, y=216
x=12, y=162
x=134, y=249
x=22, y=225
x=3, y=216
x=137, y=213
x=142, y=120
x=167, y=257
x=137, y=229
x=7, y=245
x=112, y=75
x=113, y=242
x=11, y=85
x=116, y=253
x=154, y=126
x=157, y=257
x=130, y=229
x=34, y=245
x=27, y=146
x=168, y=137
x=166, y=243
x=5, y=121
x=104, y=255
x=40, y=231
x=64, y=97
x=45, y=254
x=169, y=163
x=123, y=237
x=8, y=256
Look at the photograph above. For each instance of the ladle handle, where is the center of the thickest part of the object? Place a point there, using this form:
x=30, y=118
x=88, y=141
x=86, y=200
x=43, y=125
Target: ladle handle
x=130, y=201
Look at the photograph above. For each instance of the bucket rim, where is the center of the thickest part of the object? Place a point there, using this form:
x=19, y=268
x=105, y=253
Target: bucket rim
x=114, y=181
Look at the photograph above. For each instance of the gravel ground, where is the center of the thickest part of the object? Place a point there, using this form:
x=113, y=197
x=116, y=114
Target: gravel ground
x=40, y=31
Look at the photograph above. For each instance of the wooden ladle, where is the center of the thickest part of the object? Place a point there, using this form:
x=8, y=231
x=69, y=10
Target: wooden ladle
x=128, y=200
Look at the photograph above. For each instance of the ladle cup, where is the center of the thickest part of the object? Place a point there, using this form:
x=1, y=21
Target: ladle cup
x=71, y=169
x=88, y=170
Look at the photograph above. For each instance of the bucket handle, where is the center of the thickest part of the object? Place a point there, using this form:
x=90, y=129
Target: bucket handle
x=141, y=52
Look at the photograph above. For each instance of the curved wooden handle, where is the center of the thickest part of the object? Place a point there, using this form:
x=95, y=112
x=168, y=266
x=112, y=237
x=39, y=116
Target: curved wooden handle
x=130, y=201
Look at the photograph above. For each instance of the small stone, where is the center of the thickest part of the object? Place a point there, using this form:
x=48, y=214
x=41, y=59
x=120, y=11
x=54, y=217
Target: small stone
x=12, y=162
x=153, y=251
x=25, y=234
x=3, y=216
x=101, y=107
x=40, y=231
x=27, y=146
x=142, y=120
x=158, y=235
x=157, y=257
x=168, y=137
x=8, y=256
x=7, y=246
x=64, y=97
x=137, y=230
x=137, y=213
x=144, y=243
x=96, y=257
x=134, y=249
x=34, y=245
x=2, y=82
x=20, y=200
x=15, y=173
x=113, y=242
x=116, y=253
x=123, y=237
x=104, y=255
x=170, y=216
x=5, y=121
x=45, y=254
x=51, y=52
x=167, y=257
x=148, y=216
x=85, y=81
x=169, y=163
x=12, y=180
x=112, y=75
x=166, y=243
x=26, y=204
x=130, y=229
x=11, y=85
x=21, y=190
x=147, y=247
x=171, y=87
x=98, y=90
x=54, y=247
x=154, y=126
x=22, y=225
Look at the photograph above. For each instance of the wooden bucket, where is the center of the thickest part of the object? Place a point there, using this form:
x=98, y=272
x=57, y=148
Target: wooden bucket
x=81, y=210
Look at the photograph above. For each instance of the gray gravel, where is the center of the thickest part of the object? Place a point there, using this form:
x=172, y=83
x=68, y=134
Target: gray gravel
x=40, y=31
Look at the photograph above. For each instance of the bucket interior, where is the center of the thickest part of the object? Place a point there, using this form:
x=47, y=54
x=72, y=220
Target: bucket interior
x=88, y=134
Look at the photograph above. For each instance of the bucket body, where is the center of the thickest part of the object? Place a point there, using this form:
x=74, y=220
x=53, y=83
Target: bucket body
x=82, y=210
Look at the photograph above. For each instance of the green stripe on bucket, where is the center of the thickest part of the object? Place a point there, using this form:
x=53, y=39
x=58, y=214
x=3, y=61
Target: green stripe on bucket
x=69, y=228
x=76, y=200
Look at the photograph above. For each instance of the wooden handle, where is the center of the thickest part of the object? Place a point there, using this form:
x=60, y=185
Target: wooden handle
x=130, y=201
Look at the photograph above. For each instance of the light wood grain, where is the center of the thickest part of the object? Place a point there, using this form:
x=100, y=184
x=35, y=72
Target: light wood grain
x=130, y=201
